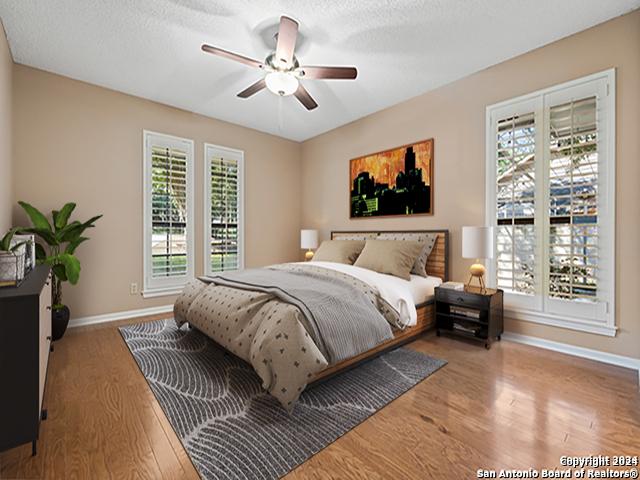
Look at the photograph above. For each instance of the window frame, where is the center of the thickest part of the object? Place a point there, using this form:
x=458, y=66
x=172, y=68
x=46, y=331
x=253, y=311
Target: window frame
x=601, y=84
x=159, y=287
x=239, y=157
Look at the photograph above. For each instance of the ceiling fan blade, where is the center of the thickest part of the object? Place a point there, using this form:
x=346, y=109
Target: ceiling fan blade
x=287, y=35
x=328, y=73
x=252, y=89
x=231, y=56
x=305, y=99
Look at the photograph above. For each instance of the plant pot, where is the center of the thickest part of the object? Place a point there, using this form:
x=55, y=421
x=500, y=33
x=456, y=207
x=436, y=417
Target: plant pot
x=59, y=322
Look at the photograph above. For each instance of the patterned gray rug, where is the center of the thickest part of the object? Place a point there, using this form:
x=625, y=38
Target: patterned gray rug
x=231, y=428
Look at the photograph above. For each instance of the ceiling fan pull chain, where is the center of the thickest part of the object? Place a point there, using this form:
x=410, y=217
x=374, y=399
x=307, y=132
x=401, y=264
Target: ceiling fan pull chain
x=280, y=118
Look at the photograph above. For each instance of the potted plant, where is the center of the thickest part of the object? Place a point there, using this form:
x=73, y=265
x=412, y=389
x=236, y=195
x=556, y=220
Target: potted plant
x=61, y=238
x=12, y=259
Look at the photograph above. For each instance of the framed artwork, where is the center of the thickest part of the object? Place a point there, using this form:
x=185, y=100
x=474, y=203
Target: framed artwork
x=396, y=182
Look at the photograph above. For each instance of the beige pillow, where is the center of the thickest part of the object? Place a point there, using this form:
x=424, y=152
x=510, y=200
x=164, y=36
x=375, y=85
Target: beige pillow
x=395, y=257
x=428, y=240
x=339, y=251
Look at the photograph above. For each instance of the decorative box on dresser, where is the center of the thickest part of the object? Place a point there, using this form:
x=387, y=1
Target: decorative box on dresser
x=25, y=342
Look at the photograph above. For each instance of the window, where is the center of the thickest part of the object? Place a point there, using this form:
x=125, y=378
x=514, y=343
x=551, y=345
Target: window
x=550, y=197
x=168, y=213
x=224, y=170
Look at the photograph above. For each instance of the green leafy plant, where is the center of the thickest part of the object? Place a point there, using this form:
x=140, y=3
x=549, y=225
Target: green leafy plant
x=62, y=238
x=5, y=242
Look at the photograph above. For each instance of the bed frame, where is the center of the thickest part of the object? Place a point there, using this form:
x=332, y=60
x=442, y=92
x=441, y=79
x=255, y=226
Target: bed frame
x=437, y=266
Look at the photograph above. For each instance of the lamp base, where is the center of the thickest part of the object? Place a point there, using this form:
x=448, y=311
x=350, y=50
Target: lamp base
x=477, y=270
x=308, y=256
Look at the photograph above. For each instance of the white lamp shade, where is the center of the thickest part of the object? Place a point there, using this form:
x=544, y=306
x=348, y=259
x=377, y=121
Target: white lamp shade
x=477, y=242
x=308, y=239
x=281, y=83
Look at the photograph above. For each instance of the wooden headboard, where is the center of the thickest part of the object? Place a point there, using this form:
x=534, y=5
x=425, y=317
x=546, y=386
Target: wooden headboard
x=438, y=261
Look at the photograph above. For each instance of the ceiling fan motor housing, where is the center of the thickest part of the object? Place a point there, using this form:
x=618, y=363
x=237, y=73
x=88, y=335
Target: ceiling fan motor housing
x=281, y=65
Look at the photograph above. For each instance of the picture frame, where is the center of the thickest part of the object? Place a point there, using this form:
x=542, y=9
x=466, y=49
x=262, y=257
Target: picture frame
x=395, y=182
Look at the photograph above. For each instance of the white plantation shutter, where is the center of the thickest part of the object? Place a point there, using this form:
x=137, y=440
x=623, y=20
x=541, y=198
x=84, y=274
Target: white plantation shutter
x=224, y=169
x=573, y=206
x=580, y=187
x=168, y=213
x=515, y=203
x=550, y=187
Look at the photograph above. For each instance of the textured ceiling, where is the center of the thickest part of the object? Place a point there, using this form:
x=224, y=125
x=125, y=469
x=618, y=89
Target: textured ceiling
x=402, y=48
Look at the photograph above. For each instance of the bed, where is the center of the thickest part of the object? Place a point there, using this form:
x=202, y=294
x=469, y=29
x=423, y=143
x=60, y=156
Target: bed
x=298, y=324
x=437, y=266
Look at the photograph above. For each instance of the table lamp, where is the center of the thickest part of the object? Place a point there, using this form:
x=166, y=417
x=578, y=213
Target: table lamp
x=477, y=243
x=308, y=240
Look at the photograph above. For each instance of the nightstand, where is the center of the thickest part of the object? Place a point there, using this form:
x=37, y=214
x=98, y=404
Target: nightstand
x=472, y=313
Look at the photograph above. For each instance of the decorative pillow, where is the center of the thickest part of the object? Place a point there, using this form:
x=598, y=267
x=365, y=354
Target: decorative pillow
x=395, y=257
x=355, y=236
x=428, y=240
x=339, y=251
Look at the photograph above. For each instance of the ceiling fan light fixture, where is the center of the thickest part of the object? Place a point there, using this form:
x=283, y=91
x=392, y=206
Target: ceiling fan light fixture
x=282, y=69
x=281, y=83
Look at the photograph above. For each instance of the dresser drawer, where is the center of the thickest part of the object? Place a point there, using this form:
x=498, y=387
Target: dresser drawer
x=45, y=338
x=24, y=327
x=462, y=299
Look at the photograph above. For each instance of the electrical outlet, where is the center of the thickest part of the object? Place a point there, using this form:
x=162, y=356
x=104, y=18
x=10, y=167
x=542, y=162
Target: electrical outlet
x=133, y=289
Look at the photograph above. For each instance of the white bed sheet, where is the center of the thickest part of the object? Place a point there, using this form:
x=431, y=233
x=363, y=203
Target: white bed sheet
x=422, y=288
x=403, y=295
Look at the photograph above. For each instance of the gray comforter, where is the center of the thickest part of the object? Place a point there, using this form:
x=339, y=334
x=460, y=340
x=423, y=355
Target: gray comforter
x=343, y=321
x=288, y=321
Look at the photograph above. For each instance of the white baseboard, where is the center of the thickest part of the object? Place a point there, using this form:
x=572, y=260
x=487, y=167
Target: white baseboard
x=604, y=357
x=112, y=317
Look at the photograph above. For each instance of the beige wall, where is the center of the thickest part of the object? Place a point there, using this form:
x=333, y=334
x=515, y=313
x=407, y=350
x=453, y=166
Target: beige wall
x=83, y=143
x=74, y=141
x=454, y=116
x=6, y=67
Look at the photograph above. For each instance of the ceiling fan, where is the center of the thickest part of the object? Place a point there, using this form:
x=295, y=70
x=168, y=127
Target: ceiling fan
x=283, y=69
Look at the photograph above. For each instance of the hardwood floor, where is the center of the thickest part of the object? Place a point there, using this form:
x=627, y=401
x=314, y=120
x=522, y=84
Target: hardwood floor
x=511, y=407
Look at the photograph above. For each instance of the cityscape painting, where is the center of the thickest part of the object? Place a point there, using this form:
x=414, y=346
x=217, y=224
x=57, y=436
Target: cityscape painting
x=393, y=182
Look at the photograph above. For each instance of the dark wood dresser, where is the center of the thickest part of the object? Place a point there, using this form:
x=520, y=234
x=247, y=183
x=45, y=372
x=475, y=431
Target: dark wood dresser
x=25, y=341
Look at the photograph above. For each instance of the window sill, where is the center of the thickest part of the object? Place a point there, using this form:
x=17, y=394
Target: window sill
x=162, y=292
x=562, y=322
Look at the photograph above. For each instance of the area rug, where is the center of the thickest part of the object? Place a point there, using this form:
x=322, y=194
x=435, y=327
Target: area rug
x=231, y=428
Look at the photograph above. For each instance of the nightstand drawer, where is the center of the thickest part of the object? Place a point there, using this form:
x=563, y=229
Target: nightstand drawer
x=462, y=299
